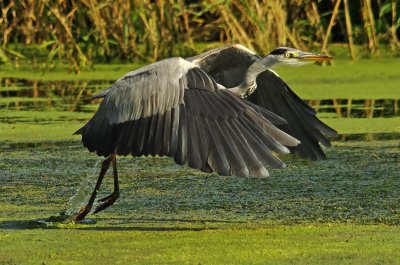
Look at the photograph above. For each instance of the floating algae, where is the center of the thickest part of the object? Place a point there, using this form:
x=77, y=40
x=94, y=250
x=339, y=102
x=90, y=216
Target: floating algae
x=75, y=203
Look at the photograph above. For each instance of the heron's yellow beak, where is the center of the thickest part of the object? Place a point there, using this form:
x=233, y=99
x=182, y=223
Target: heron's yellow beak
x=308, y=56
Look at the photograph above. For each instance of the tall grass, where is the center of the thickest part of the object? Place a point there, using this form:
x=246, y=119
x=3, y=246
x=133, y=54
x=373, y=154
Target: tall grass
x=83, y=31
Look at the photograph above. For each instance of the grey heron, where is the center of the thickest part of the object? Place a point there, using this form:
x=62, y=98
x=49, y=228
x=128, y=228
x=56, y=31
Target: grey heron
x=222, y=111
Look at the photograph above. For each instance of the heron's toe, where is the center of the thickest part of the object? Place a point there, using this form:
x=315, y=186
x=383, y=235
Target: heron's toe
x=106, y=202
x=80, y=215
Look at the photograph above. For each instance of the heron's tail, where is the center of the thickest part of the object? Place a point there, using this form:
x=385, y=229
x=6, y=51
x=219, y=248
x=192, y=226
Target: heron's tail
x=97, y=135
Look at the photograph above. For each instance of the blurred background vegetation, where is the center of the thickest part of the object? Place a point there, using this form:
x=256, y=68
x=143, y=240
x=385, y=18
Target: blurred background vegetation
x=82, y=32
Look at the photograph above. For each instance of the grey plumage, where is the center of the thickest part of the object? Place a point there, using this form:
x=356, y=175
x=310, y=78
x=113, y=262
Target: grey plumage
x=228, y=66
x=183, y=108
x=194, y=111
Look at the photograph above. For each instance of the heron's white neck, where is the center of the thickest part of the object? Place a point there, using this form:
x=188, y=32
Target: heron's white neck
x=249, y=84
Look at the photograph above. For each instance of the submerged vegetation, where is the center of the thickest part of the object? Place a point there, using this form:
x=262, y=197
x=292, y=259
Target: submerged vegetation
x=81, y=32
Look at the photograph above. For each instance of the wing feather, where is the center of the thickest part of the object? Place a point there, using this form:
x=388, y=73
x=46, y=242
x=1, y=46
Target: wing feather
x=237, y=161
x=273, y=98
x=154, y=89
x=149, y=144
x=216, y=156
x=159, y=135
x=181, y=154
x=174, y=131
x=166, y=134
x=302, y=123
x=254, y=164
x=194, y=144
x=184, y=114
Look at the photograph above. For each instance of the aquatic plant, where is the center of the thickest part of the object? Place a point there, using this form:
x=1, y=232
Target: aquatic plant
x=80, y=32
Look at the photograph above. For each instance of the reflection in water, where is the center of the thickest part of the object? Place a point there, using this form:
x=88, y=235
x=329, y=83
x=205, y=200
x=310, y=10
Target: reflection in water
x=21, y=94
x=360, y=108
x=368, y=137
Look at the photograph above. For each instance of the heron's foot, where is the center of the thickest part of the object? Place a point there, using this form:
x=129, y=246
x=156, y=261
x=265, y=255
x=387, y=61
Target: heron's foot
x=106, y=202
x=80, y=215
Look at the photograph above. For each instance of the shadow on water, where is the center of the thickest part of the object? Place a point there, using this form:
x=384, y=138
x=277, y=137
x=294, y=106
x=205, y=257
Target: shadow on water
x=123, y=224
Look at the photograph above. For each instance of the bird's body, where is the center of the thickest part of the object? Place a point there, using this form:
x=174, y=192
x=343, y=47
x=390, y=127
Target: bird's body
x=194, y=111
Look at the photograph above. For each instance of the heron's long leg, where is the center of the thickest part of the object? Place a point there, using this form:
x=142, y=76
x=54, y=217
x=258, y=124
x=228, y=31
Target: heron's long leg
x=85, y=210
x=110, y=199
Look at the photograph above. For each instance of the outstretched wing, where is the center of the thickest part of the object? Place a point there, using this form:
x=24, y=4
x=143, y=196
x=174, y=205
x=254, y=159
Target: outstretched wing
x=302, y=123
x=228, y=66
x=174, y=108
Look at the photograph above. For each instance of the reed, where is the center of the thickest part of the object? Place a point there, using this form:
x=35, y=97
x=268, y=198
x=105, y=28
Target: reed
x=80, y=32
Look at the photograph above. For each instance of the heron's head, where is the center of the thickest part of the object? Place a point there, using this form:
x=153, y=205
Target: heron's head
x=290, y=56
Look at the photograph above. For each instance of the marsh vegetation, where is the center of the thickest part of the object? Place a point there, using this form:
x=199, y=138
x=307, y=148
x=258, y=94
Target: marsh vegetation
x=55, y=55
x=83, y=32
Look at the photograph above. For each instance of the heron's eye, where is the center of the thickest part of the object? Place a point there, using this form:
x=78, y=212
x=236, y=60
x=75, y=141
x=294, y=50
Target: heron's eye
x=289, y=55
